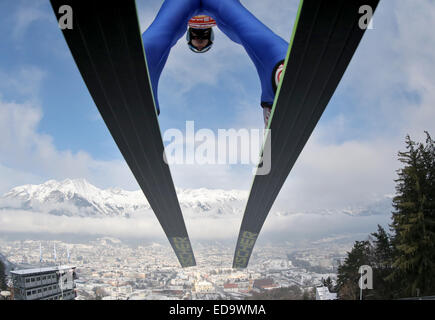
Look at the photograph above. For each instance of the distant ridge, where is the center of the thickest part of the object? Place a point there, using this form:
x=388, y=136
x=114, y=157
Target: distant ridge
x=79, y=198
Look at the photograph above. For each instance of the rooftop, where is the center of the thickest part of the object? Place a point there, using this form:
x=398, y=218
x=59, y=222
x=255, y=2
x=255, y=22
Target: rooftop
x=324, y=294
x=42, y=270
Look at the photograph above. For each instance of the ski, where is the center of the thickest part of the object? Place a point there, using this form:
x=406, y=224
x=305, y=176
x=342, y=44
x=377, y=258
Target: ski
x=325, y=37
x=105, y=41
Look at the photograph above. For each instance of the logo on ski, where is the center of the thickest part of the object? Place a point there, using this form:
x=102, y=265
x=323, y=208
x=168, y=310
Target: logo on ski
x=183, y=250
x=244, y=248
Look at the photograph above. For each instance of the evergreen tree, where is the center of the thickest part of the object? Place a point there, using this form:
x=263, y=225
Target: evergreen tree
x=286, y=293
x=329, y=284
x=3, y=285
x=382, y=260
x=414, y=220
x=403, y=263
x=382, y=250
x=348, y=273
x=309, y=294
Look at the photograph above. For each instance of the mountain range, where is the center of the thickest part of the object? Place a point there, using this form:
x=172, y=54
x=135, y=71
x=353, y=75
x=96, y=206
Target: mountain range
x=79, y=198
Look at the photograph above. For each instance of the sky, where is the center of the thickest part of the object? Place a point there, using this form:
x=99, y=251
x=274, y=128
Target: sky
x=51, y=129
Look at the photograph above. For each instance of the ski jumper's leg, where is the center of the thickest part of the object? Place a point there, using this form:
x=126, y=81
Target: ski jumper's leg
x=264, y=47
x=169, y=26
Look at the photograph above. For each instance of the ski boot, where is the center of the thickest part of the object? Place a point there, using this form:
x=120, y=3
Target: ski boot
x=267, y=110
x=277, y=75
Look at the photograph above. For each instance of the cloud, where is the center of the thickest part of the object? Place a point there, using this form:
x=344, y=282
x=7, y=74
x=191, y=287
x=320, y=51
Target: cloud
x=297, y=227
x=36, y=222
x=23, y=82
x=279, y=17
x=25, y=150
x=417, y=49
x=339, y=175
x=10, y=177
x=388, y=87
x=212, y=176
x=306, y=227
x=27, y=14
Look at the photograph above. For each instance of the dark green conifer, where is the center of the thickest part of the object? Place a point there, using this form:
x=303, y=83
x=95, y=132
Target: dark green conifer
x=414, y=220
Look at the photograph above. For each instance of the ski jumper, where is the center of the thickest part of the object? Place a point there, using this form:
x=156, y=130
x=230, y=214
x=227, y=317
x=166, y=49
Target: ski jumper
x=266, y=49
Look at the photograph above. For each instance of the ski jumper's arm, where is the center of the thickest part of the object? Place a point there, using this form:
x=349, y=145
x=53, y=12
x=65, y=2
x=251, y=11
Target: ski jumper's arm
x=264, y=47
x=169, y=26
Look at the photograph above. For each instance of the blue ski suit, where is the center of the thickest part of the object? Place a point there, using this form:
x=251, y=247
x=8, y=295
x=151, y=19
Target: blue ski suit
x=266, y=49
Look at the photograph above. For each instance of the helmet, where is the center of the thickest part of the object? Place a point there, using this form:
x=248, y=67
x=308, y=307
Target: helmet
x=206, y=34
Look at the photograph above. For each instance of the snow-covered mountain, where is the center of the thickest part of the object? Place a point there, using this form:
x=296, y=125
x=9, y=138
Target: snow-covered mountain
x=80, y=198
x=74, y=198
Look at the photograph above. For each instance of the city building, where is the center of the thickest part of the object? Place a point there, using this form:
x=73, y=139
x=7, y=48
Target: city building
x=231, y=287
x=265, y=284
x=154, y=272
x=203, y=287
x=47, y=283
